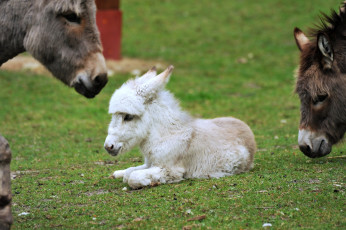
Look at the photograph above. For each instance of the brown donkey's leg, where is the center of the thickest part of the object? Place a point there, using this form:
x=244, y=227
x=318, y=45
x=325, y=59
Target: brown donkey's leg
x=6, y=218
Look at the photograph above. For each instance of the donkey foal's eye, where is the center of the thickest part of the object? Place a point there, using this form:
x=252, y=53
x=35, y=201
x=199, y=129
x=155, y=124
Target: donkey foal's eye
x=128, y=117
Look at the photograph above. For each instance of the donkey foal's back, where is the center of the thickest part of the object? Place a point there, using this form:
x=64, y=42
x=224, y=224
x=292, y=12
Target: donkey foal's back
x=174, y=144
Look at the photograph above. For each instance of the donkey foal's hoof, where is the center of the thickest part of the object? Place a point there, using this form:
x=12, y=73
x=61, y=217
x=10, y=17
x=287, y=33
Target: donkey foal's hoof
x=119, y=174
x=138, y=180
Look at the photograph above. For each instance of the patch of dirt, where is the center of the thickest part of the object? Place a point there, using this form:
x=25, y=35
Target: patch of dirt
x=125, y=65
x=15, y=174
x=98, y=192
x=106, y=163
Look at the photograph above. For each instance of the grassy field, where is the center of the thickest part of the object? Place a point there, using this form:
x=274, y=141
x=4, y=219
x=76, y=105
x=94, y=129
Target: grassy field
x=231, y=58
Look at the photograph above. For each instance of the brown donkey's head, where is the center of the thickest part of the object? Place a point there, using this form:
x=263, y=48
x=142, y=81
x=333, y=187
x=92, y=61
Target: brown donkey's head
x=63, y=35
x=321, y=86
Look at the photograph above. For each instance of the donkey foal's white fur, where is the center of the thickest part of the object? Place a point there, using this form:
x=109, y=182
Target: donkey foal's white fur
x=175, y=145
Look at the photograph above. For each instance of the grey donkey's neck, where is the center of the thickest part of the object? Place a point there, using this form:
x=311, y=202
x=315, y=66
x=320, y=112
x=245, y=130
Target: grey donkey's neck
x=14, y=20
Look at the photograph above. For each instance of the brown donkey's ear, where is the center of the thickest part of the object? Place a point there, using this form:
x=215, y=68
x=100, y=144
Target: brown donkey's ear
x=301, y=39
x=327, y=51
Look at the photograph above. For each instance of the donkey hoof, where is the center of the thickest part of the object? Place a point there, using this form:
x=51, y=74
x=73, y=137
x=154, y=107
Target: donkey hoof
x=138, y=181
x=118, y=174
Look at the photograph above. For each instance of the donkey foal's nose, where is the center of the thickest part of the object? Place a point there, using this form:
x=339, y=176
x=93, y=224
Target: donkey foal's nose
x=112, y=149
x=109, y=148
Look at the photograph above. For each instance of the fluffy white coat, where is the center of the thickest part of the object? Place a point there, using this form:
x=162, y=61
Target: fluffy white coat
x=175, y=145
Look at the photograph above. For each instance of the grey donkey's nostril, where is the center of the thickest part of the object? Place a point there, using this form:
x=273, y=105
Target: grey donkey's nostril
x=100, y=80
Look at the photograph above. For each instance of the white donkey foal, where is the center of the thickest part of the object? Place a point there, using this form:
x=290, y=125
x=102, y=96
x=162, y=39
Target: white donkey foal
x=175, y=145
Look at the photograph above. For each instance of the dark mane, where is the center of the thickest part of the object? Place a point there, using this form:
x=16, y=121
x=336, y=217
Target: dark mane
x=329, y=24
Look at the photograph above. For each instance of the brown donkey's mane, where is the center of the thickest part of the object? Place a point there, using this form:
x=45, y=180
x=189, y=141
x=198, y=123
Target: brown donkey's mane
x=328, y=23
x=334, y=26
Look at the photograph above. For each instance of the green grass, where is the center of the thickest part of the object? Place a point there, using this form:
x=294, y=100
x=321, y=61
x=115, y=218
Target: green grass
x=57, y=136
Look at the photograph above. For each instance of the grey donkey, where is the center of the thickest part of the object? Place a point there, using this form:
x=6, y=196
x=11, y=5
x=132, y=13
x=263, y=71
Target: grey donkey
x=61, y=34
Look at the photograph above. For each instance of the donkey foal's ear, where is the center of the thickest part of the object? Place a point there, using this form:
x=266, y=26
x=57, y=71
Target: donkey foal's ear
x=152, y=71
x=160, y=81
x=155, y=84
x=150, y=74
x=301, y=39
x=326, y=49
x=165, y=75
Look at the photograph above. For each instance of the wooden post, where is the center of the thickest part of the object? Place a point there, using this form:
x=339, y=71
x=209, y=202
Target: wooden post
x=108, y=4
x=6, y=218
x=109, y=23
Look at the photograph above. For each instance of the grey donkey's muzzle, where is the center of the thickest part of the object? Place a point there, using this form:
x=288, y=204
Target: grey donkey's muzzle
x=92, y=78
x=90, y=88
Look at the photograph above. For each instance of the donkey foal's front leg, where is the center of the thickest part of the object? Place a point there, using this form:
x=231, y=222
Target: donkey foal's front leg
x=119, y=174
x=145, y=177
x=126, y=173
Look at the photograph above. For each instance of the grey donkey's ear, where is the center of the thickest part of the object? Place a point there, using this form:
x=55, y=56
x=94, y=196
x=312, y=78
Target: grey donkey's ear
x=326, y=49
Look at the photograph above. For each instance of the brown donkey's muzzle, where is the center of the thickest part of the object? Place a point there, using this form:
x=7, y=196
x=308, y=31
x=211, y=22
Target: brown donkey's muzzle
x=322, y=149
x=313, y=144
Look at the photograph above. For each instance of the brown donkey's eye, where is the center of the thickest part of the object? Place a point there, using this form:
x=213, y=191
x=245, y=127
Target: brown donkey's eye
x=72, y=18
x=128, y=117
x=320, y=98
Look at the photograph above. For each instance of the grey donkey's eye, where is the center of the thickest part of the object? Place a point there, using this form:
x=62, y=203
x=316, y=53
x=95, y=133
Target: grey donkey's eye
x=128, y=117
x=72, y=17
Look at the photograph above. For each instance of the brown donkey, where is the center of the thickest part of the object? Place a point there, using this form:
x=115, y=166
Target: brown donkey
x=61, y=34
x=321, y=85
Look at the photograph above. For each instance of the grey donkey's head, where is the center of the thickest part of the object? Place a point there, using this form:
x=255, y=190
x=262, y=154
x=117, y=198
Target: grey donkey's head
x=63, y=36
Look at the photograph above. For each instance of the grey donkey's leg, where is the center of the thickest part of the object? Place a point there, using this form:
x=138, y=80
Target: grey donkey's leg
x=6, y=218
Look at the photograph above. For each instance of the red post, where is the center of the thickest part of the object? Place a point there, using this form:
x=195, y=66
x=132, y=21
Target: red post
x=109, y=22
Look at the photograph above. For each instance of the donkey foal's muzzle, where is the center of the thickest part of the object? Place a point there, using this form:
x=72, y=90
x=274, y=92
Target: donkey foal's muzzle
x=112, y=150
